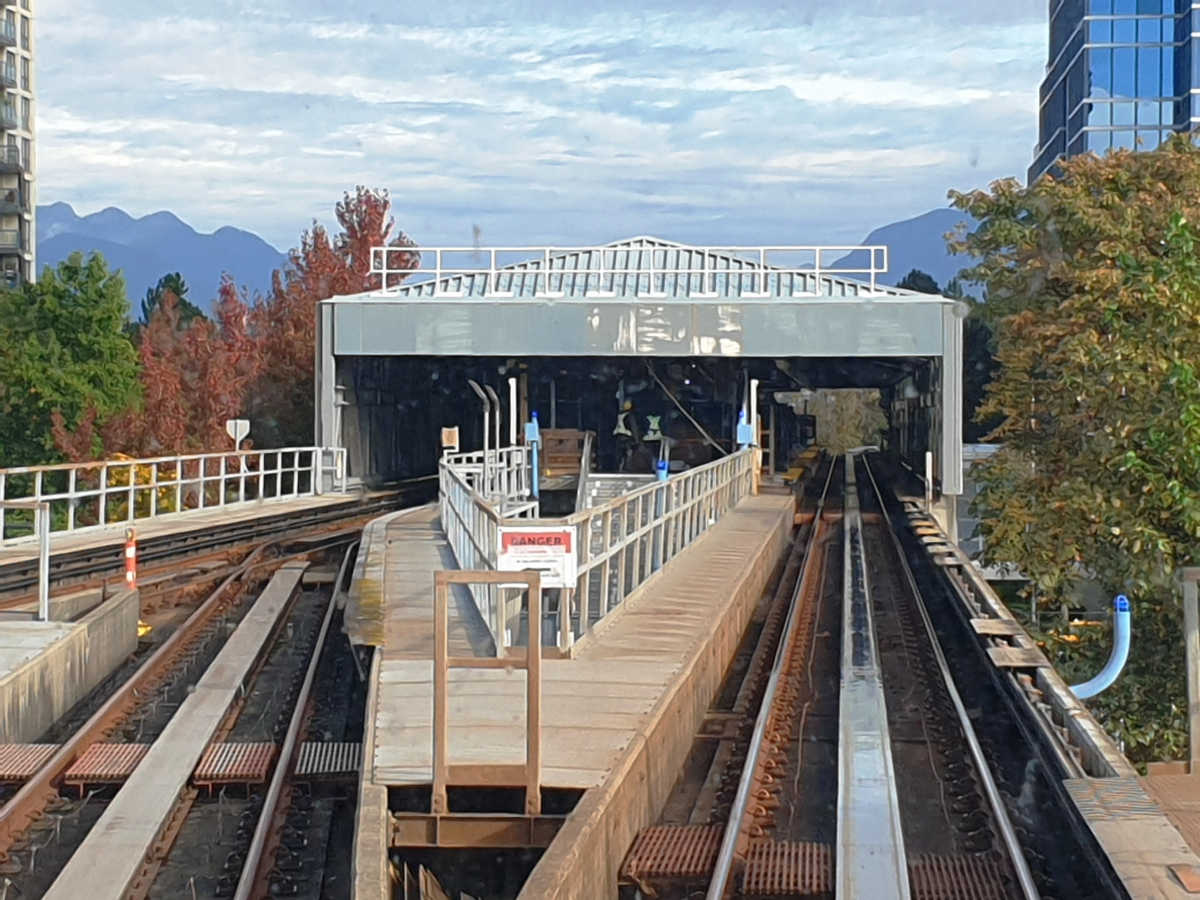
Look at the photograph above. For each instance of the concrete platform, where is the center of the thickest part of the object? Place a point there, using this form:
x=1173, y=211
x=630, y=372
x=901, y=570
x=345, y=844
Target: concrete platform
x=48, y=667
x=107, y=862
x=198, y=521
x=631, y=697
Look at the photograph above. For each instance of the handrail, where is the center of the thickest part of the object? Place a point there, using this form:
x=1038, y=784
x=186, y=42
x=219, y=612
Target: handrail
x=598, y=271
x=620, y=544
x=118, y=491
x=585, y=467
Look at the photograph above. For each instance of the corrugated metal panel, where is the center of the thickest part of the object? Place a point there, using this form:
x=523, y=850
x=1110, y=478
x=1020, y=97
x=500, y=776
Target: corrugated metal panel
x=106, y=763
x=241, y=763
x=642, y=267
x=319, y=758
x=19, y=762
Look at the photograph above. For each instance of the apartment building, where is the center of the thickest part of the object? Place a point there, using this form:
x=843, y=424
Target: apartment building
x=18, y=154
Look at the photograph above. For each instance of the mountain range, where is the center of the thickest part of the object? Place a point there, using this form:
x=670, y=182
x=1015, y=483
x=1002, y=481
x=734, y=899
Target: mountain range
x=147, y=248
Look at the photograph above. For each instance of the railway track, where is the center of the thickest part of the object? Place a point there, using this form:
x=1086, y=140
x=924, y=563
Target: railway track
x=160, y=557
x=863, y=770
x=201, y=588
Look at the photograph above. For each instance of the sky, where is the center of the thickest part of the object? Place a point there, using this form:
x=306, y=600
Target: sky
x=516, y=123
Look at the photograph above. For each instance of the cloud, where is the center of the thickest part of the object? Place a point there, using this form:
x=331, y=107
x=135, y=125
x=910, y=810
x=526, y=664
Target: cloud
x=775, y=121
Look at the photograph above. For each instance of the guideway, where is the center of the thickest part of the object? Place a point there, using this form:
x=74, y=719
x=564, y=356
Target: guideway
x=619, y=705
x=112, y=854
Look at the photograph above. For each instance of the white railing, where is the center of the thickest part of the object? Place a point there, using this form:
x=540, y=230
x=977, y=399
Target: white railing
x=118, y=491
x=646, y=268
x=620, y=543
x=471, y=522
x=503, y=476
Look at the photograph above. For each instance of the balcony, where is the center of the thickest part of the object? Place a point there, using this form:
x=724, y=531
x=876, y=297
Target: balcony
x=12, y=202
x=8, y=117
x=8, y=34
x=10, y=240
x=8, y=75
x=10, y=160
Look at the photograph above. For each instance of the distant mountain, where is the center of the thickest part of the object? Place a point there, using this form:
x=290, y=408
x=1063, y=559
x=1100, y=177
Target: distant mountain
x=145, y=249
x=917, y=243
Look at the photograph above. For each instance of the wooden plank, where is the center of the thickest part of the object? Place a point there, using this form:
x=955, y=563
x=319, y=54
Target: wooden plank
x=1017, y=658
x=1000, y=627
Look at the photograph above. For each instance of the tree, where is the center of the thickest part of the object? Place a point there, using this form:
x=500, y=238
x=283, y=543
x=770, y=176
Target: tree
x=921, y=282
x=1093, y=286
x=172, y=283
x=62, y=349
x=195, y=376
x=285, y=321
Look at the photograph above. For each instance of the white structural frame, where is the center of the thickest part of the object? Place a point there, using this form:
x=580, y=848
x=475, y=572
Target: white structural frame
x=121, y=491
x=751, y=265
x=41, y=528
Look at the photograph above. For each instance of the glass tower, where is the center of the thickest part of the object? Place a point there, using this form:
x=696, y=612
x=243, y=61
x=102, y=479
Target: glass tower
x=1121, y=74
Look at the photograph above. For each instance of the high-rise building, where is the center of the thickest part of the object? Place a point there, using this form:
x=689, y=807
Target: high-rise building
x=18, y=164
x=1120, y=75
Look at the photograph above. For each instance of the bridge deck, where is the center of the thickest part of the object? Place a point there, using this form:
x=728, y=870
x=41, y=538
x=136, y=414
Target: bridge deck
x=593, y=704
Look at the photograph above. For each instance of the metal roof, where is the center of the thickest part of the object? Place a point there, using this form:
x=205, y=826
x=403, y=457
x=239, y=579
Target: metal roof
x=647, y=268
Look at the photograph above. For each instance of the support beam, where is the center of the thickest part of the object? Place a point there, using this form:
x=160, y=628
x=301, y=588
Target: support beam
x=325, y=381
x=952, y=402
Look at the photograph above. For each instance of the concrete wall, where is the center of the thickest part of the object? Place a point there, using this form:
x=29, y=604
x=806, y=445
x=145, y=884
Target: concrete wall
x=40, y=691
x=584, y=859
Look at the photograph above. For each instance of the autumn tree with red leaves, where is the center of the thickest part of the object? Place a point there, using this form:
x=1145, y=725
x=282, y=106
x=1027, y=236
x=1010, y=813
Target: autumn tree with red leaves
x=252, y=359
x=285, y=321
x=194, y=377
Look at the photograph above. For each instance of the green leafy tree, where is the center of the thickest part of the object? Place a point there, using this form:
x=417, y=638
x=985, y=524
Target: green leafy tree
x=1093, y=287
x=62, y=348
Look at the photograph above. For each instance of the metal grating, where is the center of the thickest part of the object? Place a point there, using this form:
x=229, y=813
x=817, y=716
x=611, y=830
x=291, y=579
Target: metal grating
x=106, y=763
x=788, y=867
x=19, y=762
x=673, y=851
x=956, y=878
x=319, y=758
x=239, y=763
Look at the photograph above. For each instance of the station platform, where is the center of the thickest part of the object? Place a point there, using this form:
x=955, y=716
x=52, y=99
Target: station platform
x=631, y=694
x=195, y=523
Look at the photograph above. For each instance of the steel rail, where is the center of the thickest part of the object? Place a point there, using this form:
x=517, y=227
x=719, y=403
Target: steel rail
x=252, y=874
x=1007, y=832
x=719, y=886
x=28, y=803
x=95, y=562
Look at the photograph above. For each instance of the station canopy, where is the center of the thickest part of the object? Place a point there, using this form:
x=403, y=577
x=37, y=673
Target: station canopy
x=641, y=296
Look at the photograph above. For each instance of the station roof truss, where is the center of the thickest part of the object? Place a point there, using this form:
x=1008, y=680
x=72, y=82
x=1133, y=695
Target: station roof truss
x=641, y=296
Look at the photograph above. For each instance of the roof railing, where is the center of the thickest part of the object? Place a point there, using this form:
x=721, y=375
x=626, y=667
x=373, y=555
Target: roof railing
x=653, y=270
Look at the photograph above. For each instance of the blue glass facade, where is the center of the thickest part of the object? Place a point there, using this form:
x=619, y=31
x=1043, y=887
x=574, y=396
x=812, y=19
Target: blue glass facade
x=1122, y=73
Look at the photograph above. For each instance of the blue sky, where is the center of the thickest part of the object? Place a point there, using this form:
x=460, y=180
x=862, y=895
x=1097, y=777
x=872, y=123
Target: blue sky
x=570, y=123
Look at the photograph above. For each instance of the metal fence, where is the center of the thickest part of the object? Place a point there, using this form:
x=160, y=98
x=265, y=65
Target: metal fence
x=113, y=492
x=621, y=543
x=645, y=267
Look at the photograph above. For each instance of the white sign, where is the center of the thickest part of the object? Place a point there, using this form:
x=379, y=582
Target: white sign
x=549, y=550
x=237, y=429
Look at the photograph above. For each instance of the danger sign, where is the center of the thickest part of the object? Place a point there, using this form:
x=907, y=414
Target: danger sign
x=550, y=551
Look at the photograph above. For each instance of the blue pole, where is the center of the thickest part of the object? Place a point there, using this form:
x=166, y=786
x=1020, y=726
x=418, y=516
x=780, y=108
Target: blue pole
x=1123, y=629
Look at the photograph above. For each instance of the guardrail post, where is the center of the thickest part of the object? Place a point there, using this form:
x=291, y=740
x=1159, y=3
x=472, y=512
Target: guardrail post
x=43, y=531
x=1191, y=643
